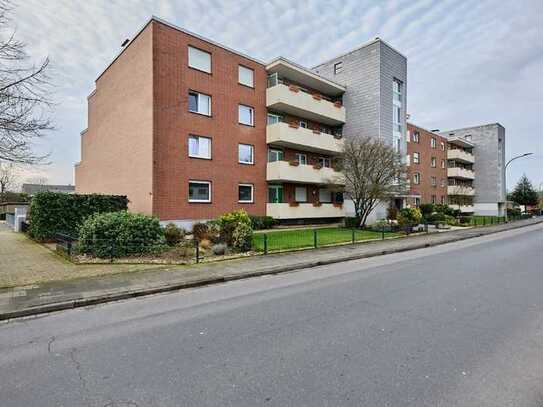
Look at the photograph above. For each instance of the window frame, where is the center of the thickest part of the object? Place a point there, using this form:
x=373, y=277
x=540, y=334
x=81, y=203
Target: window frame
x=304, y=126
x=252, y=154
x=189, y=47
x=433, y=143
x=417, y=178
x=323, y=160
x=252, y=186
x=338, y=67
x=277, y=187
x=416, y=157
x=252, y=113
x=195, y=181
x=433, y=162
x=240, y=67
x=277, y=116
x=276, y=150
x=210, y=140
x=296, y=189
x=198, y=94
x=298, y=155
x=433, y=181
x=416, y=137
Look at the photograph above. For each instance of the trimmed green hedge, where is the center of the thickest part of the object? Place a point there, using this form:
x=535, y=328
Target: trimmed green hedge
x=119, y=234
x=52, y=213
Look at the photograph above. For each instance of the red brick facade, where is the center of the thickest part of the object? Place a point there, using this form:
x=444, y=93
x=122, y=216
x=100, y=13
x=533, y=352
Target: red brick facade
x=425, y=190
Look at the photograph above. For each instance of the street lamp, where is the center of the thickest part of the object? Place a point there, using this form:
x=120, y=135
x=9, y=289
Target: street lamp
x=505, y=179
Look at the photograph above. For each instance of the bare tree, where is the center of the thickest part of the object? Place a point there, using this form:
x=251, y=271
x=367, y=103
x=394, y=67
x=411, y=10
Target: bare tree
x=373, y=173
x=7, y=178
x=24, y=97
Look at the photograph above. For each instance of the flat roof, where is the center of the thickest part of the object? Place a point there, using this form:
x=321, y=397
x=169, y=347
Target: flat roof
x=460, y=141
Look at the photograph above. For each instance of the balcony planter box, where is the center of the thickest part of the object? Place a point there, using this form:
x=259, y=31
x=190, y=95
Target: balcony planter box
x=294, y=88
x=294, y=204
x=338, y=104
x=316, y=96
x=317, y=204
x=338, y=205
x=338, y=136
x=294, y=163
x=317, y=166
x=293, y=125
x=315, y=131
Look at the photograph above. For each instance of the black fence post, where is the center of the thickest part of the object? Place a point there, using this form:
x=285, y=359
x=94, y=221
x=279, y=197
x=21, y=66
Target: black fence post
x=352, y=235
x=197, y=249
x=315, y=238
x=265, y=243
x=383, y=232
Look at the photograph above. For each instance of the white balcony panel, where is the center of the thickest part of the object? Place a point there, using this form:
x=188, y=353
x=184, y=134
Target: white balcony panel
x=283, y=171
x=303, y=210
x=461, y=155
x=463, y=208
x=281, y=98
x=281, y=134
x=461, y=173
x=460, y=190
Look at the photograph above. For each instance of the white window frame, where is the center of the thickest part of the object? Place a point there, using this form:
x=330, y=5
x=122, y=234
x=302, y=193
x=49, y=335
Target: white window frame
x=324, y=160
x=252, y=193
x=242, y=68
x=416, y=157
x=194, y=181
x=442, y=144
x=433, y=162
x=416, y=178
x=194, y=136
x=433, y=181
x=416, y=137
x=277, y=152
x=199, y=95
x=277, y=117
x=252, y=154
x=194, y=53
x=299, y=156
x=433, y=142
x=303, y=124
x=251, y=113
x=443, y=165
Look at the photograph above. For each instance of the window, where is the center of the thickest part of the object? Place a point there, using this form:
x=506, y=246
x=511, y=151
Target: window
x=338, y=67
x=416, y=158
x=325, y=162
x=397, y=110
x=433, y=162
x=417, y=202
x=275, y=155
x=199, y=59
x=338, y=197
x=443, y=182
x=433, y=143
x=442, y=144
x=199, y=103
x=275, y=193
x=301, y=158
x=416, y=137
x=442, y=163
x=434, y=199
x=246, y=154
x=245, y=193
x=274, y=118
x=416, y=178
x=434, y=181
x=303, y=124
x=246, y=76
x=199, y=191
x=325, y=195
x=199, y=147
x=467, y=137
x=398, y=145
x=397, y=86
x=300, y=194
x=246, y=115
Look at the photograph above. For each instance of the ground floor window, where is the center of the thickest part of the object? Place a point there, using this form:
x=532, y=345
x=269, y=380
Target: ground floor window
x=245, y=193
x=275, y=155
x=300, y=194
x=325, y=195
x=275, y=193
x=199, y=191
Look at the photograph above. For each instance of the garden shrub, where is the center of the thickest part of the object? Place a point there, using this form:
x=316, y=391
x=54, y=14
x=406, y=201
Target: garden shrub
x=392, y=213
x=262, y=222
x=408, y=218
x=242, y=237
x=173, y=234
x=200, y=231
x=426, y=210
x=228, y=222
x=438, y=217
x=219, y=249
x=118, y=234
x=352, y=222
x=51, y=212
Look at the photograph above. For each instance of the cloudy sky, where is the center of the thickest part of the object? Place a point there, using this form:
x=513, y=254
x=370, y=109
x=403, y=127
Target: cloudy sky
x=470, y=62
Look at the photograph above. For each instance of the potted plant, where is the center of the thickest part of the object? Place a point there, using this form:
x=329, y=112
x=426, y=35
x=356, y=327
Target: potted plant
x=317, y=204
x=294, y=88
x=316, y=96
x=317, y=166
x=294, y=204
x=338, y=103
x=294, y=163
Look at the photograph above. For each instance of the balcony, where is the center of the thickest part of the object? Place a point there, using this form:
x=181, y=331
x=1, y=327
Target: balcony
x=282, y=134
x=284, y=171
x=292, y=100
x=460, y=190
x=461, y=156
x=462, y=208
x=304, y=210
x=460, y=173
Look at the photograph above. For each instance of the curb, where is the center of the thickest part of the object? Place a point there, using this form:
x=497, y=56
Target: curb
x=84, y=302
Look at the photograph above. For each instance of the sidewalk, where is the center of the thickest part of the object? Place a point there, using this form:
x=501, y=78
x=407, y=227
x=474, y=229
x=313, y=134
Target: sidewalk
x=54, y=296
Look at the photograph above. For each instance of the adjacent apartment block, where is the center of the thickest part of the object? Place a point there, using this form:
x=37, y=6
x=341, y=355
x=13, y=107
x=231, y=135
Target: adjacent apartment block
x=427, y=166
x=189, y=129
x=483, y=163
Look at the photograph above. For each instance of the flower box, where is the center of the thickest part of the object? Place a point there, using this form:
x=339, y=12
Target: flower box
x=294, y=204
x=294, y=163
x=338, y=104
x=293, y=125
x=317, y=166
x=316, y=96
x=317, y=204
x=338, y=205
x=338, y=136
x=316, y=131
x=294, y=88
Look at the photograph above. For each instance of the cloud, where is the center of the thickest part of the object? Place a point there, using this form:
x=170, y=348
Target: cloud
x=470, y=62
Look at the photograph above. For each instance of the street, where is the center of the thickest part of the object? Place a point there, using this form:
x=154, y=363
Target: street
x=454, y=325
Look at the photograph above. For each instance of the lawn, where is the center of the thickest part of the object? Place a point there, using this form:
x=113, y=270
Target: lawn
x=478, y=220
x=305, y=238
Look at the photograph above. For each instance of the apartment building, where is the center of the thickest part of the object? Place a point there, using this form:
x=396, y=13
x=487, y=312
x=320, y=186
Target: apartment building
x=427, y=166
x=485, y=167
x=461, y=176
x=209, y=130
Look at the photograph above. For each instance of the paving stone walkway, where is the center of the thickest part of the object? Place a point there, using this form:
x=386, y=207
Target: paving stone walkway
x=75, y=292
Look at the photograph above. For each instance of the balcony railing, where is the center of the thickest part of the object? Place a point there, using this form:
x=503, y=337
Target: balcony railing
x=304, y=210
x=460, y=155
x=459, y=172
x=460, y=190
x=462, y=208
x=287, y=135
x=285, y=171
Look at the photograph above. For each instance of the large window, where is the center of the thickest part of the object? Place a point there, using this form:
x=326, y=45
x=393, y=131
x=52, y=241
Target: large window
x=246, y=115
x=245, y=193
x=325, y=162
x=246, y=154
x=325, y=195
x=199, y=59
x=397, y=86
x=275, y=155
x=274, y=118
x=199, y=191
x=246, y=76
x=300, y=194
x=199, y=103
x=275, y=193
x=397, y=107
x=301, y=158
x=199, y=147
x=416, y=158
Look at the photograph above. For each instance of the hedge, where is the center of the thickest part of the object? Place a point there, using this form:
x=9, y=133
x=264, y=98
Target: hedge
x=51, y=212
x=119, y=234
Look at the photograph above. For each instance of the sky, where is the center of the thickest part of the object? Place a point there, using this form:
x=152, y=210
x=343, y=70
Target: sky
x=469, y=62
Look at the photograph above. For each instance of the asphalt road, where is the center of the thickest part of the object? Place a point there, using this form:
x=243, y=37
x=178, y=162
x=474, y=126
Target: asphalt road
x=455, y=325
